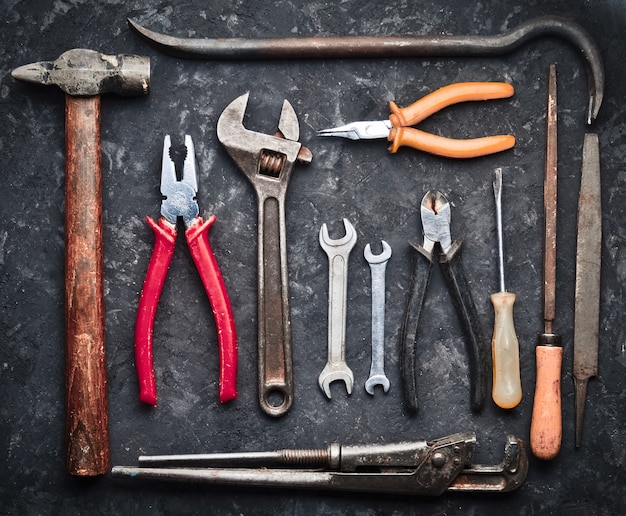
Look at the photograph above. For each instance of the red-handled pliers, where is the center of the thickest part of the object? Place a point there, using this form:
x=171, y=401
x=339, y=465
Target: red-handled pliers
x=180, y=201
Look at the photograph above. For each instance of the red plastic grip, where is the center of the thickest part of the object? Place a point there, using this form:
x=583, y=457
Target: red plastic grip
x=198, y=240
x=165, y=241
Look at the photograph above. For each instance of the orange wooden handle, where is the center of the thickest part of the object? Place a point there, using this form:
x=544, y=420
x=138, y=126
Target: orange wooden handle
x=446, y=96
x=546, y=424
x=85, y=364
x=448, y=147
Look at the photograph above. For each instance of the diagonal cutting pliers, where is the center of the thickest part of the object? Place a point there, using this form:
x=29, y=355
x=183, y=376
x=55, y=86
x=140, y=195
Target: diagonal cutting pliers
x=435, y=213
x=398, y=128
x=180, y=201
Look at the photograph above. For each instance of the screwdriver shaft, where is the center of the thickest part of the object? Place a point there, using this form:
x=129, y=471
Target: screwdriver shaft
x=497, y=191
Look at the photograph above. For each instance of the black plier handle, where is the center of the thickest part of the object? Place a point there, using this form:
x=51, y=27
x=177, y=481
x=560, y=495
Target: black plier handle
x=435, y=220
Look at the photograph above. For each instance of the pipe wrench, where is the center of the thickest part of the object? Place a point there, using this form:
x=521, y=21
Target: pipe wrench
x=407, y=468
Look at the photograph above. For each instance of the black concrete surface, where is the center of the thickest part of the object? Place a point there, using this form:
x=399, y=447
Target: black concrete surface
x=378, y=192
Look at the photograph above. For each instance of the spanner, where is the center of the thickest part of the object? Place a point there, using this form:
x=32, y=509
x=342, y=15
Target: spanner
x=267, y=161
x=378, y=265
x=338, y=252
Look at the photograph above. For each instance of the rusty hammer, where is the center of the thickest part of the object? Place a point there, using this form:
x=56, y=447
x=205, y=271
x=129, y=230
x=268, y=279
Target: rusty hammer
x=83, y=75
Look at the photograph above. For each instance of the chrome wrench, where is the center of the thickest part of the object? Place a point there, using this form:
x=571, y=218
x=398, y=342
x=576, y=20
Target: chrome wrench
x=378, y=266
x=267, y=161
x=338, y=252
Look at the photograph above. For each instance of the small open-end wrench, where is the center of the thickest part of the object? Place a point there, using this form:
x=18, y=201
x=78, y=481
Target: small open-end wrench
x=267, y=161
x=338, y=252
x=378, y=265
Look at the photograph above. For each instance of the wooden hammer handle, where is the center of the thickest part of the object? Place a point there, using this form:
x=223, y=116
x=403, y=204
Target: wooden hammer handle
x=85, y=361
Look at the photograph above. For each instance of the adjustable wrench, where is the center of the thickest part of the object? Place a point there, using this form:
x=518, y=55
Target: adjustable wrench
x=267, y=162
x=338, y=252
x=378, y=265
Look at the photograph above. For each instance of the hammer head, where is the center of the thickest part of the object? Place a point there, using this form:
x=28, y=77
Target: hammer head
x=84, y=73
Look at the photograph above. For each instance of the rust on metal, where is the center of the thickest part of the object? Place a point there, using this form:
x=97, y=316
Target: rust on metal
x=549, y=202
x=342, y=47
x=588, y=265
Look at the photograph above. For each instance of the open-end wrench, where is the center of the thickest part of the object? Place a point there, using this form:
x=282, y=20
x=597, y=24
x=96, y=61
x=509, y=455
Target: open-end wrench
x=378, y=265
x=338, y=252
x=267, y=161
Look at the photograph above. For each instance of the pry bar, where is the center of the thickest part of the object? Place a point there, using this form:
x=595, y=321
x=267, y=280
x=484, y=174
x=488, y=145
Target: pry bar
x=326, y=47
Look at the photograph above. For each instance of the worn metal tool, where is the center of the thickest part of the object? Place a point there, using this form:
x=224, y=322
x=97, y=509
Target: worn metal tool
x=408, y=468
x=378, y=266
x=84, y=75
x=338, y=252
x=267, y=161
x=440, y=45
x=507, y=384
x=399, y=132
x=546, y=427
x=588, y=265
x=435, y=212
x=180, y=201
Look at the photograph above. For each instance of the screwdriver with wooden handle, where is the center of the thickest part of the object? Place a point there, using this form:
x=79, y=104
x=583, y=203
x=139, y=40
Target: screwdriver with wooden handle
x=507, y=385
x=546, y=427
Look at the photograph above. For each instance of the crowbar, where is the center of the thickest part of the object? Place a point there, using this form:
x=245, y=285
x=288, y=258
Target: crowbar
x=325, y=47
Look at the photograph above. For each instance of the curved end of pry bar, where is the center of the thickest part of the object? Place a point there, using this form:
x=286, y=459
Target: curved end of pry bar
x=577, y=36
x=449, y=46
x=168, y=45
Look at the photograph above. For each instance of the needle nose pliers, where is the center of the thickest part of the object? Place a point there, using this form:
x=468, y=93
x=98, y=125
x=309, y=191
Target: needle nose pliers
x=398, y=131
x=180, y=201
x=435, y=213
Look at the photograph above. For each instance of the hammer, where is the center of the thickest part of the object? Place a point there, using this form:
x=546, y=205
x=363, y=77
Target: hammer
x=83, y=75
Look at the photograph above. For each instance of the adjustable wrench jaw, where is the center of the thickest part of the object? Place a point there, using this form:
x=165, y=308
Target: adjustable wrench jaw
x=265, y=159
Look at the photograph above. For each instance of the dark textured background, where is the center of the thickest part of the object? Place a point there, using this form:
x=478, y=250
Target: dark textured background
x=379, y=192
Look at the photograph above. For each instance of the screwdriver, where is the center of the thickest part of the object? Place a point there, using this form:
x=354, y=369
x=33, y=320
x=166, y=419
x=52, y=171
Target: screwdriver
x=507, y=386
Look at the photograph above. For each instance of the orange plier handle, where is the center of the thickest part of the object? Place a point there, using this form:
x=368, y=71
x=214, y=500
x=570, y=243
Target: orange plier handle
x=402, y=134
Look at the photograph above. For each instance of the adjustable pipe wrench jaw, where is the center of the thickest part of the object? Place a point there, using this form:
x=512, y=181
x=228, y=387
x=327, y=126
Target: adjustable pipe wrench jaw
x=262, y=155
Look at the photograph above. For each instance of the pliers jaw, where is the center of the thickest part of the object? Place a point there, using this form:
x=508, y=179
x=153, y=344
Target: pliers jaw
x=360, y=130
x=179, y=196
x=435, y=211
